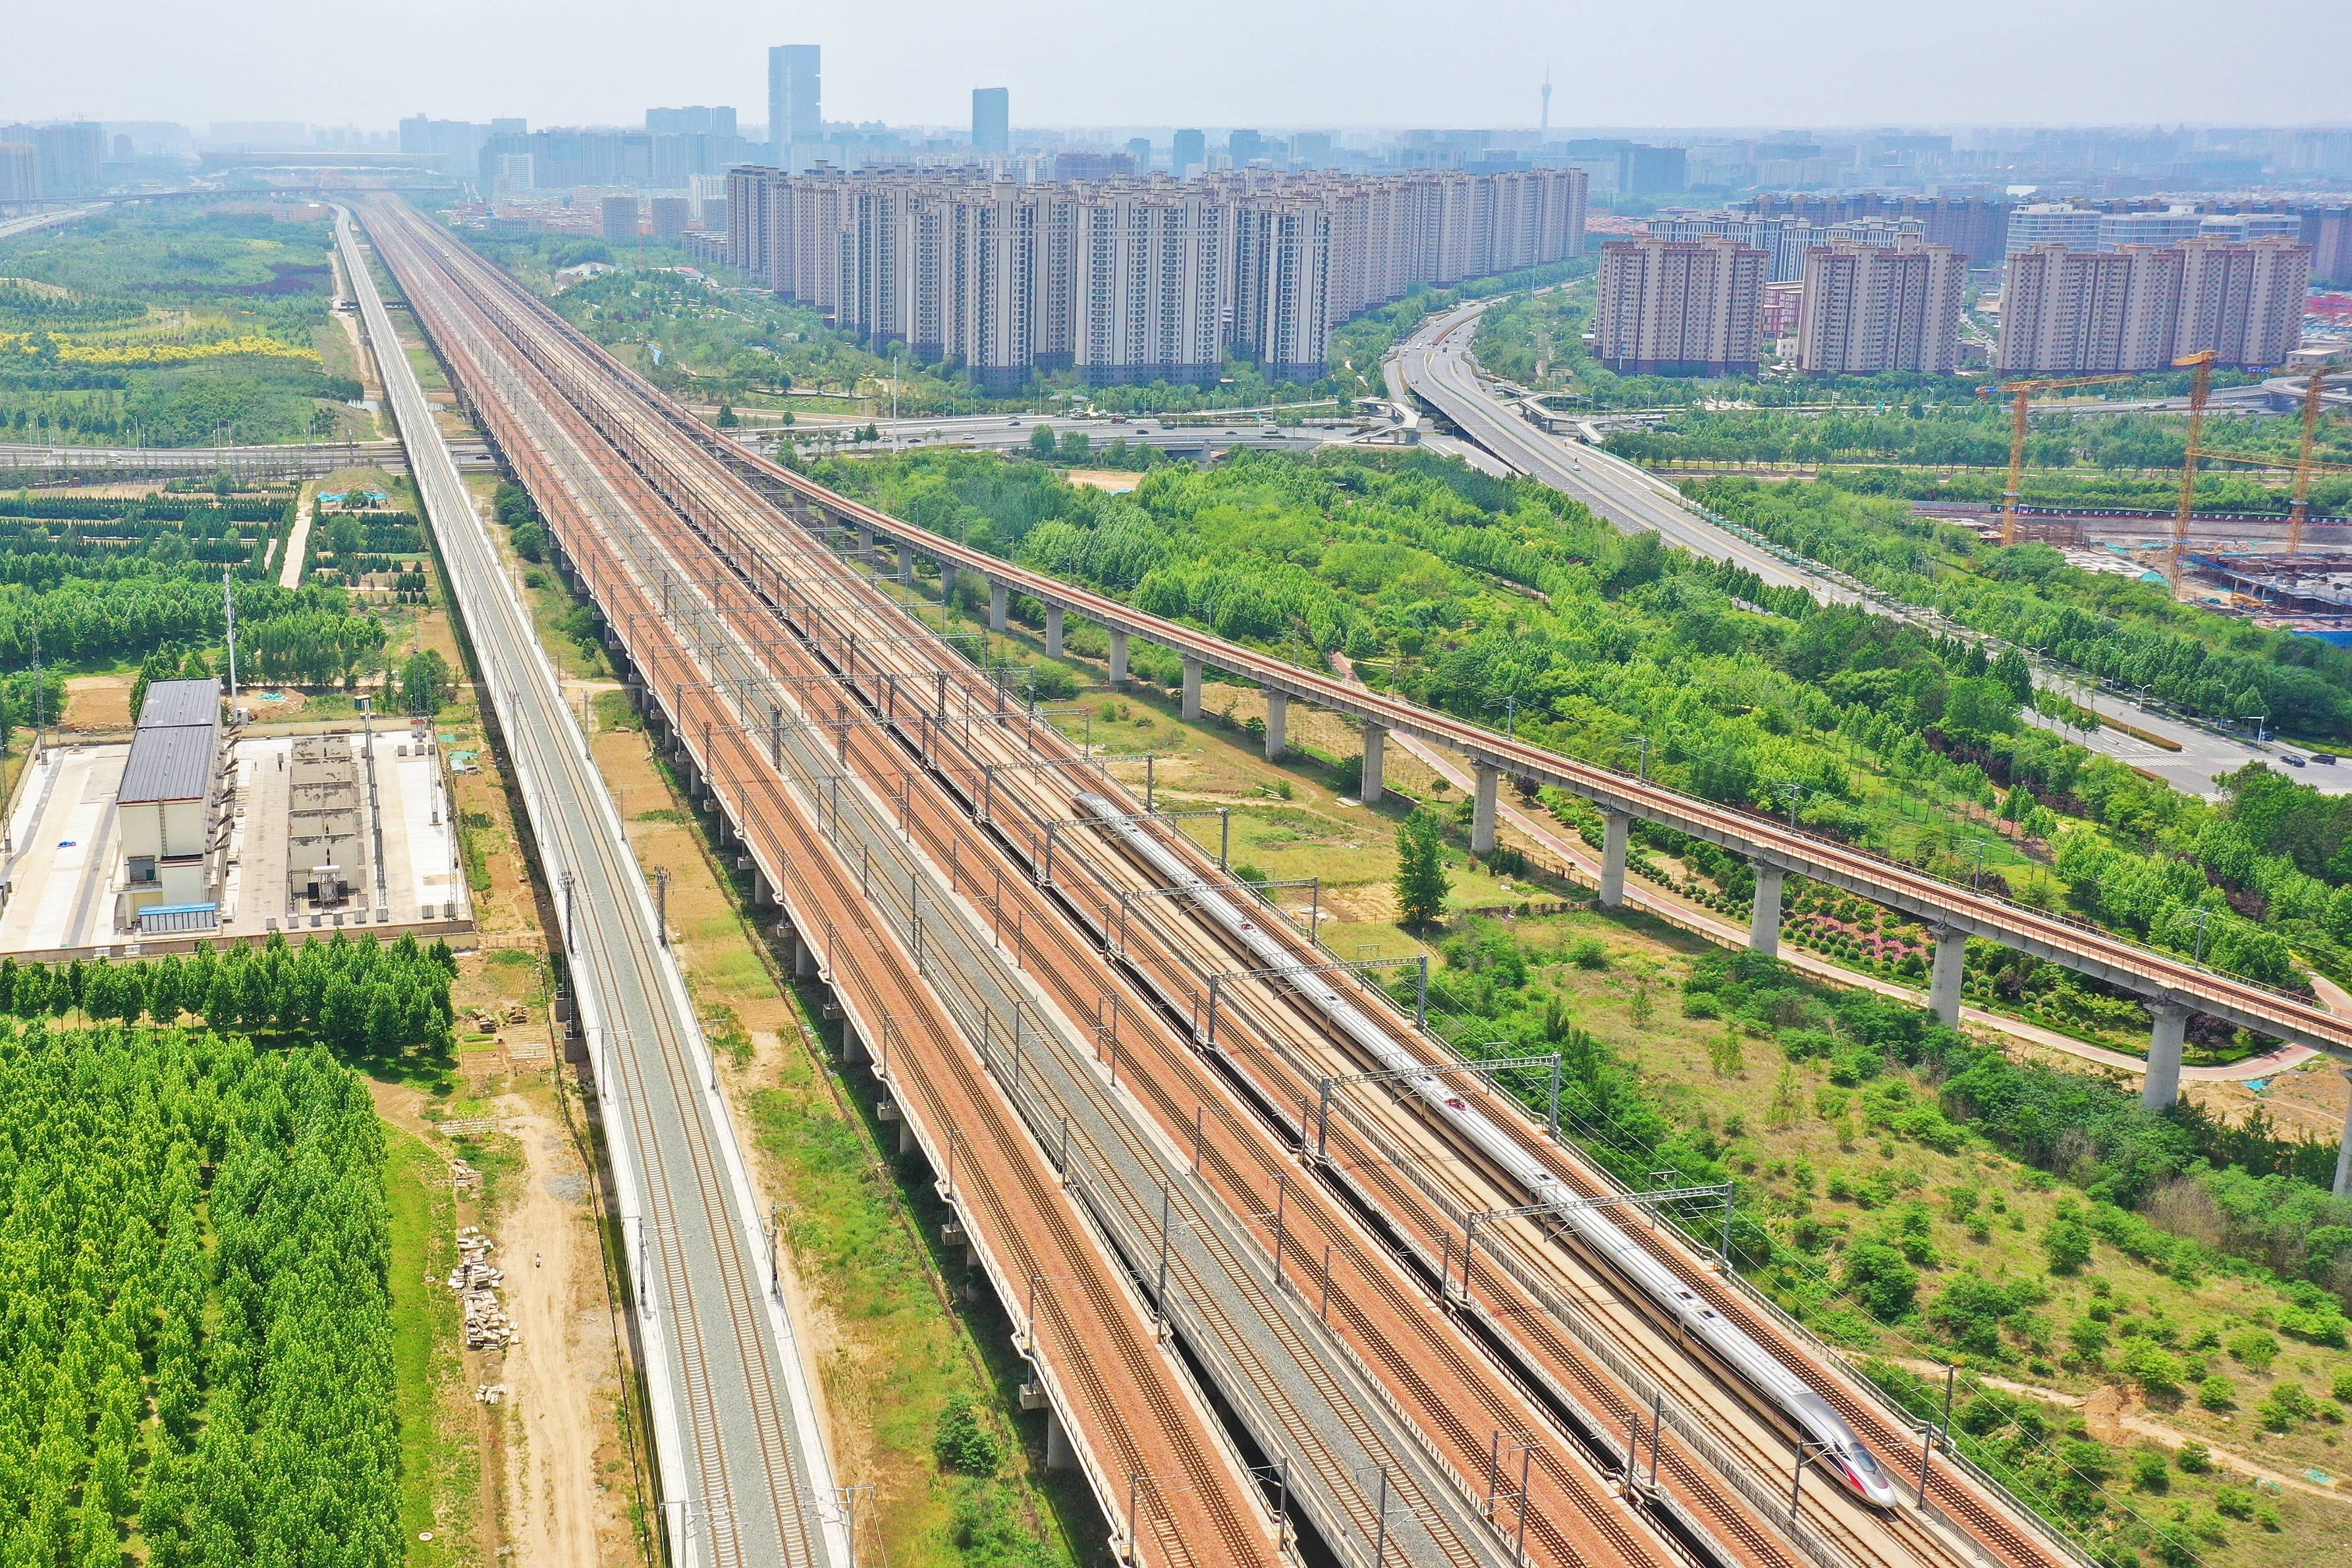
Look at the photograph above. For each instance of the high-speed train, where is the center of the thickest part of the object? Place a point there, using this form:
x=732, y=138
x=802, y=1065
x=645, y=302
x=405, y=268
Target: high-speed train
x=1840, y=1452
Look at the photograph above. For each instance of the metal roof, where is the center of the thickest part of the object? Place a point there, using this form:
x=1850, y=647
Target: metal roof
x=181, y=702
x=168, y=762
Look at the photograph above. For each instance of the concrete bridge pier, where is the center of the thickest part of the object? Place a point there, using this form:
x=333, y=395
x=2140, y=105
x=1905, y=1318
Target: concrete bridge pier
x=1482, y=812
x=1764, y=920
x=1944, y=983
x=1118, y=658
x=1191, y=690
x=1059, y=1455
x=1000, y=597
x=866, y=546
x=2344, y=1151
x=804, y=958
x=1616, y=841
x=947, y=581
x=1278, y=724
x=1053, y=631
x=1376, y=737
x=852, y=1048
x=2162, y=1086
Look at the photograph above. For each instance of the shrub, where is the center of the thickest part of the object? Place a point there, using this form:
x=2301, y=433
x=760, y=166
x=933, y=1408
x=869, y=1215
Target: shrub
x=2066, y=1240
x=2156, y=1369
x=2287, y=1404
x=964, y=1441
x=2150, y=1471
x=1588, y=953
x=1878, y=1276
x=2217, y=1392
x=2194, y=1460
x=2256, y=1349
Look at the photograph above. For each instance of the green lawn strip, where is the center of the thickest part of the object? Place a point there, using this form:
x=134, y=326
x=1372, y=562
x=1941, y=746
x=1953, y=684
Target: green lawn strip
x=438, y=1465
x=862, y=1232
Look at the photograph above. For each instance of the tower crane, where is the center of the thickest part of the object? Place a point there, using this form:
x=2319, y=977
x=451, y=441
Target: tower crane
x=2303, y=465
x=2019, y=410
x=2202, y=363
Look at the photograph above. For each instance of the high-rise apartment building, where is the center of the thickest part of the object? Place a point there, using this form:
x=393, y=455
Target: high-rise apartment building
x=2328, y=232
x=795, y=112
x=20, y=170
x=1680, y=307
x=695, y=120
x=992, y=120
x=668, y=216
x=2081, y=312
x=617, y=215
x=2053, y=223
x=1976, y=226
x=1871, y=309
x=1190, y=153
x=453, y=146
x=1133, y=279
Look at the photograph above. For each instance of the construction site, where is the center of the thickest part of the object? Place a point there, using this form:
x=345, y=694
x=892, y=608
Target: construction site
x=2288, y=572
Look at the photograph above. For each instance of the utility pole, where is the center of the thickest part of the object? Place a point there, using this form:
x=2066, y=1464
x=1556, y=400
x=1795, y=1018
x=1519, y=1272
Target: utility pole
x=228, y=613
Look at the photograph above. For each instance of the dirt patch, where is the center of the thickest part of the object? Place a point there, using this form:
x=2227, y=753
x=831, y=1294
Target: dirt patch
x=1116, y=481
x=98, y=702
x=560, y=1371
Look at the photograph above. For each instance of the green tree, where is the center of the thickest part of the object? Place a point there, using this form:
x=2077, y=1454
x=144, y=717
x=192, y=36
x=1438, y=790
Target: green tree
x=424, y=683
x=2066, y=1240
x=1421, y=884
x=1041, y=442
x=2012, y=671
x=726, y=420
x=1877, y=1275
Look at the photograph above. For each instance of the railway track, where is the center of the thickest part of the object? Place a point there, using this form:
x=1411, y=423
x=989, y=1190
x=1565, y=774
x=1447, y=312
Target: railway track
x=1606, y=1520
x=743, y=546
x=1168, y=1461
x=746, y=1480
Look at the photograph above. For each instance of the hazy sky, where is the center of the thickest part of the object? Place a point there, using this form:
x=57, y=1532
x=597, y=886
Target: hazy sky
x=1206, y=62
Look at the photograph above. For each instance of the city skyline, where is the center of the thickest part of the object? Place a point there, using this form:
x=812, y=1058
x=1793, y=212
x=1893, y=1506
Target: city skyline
x=1691, y=65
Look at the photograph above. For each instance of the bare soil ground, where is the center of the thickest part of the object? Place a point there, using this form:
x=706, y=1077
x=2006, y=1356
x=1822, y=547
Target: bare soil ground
x=98, y=702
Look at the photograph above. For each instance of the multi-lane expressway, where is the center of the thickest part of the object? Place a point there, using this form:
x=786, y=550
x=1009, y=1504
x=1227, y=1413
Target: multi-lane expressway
x=1436, y=364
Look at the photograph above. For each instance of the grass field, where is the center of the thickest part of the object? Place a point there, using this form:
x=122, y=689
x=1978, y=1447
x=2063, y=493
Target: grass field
x=440, y=1464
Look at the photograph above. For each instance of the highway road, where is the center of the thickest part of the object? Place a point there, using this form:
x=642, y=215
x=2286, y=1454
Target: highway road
x=1436, y=364
x=746, y=1481
x=33, y=222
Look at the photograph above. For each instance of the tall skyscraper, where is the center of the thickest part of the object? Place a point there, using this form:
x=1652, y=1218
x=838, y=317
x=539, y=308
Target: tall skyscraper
x=794, y=96
x=1543, y=117
x=992, y=120
x=1190, y=152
